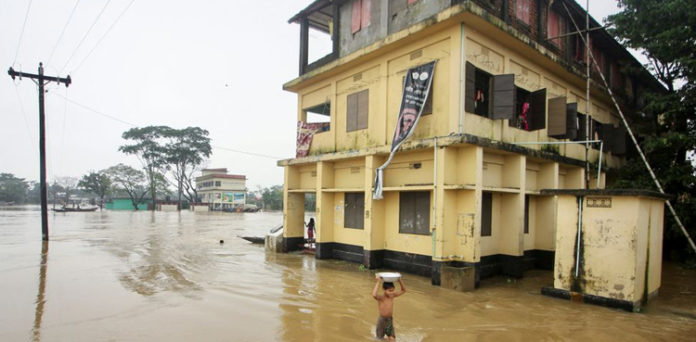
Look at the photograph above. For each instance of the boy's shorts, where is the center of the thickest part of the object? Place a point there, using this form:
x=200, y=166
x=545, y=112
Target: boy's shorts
x=385, y=327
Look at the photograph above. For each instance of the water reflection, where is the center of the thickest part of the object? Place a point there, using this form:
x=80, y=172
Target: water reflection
x=40, y=297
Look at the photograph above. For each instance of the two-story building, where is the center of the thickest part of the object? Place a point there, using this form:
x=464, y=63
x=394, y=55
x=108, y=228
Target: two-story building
x=505, y=121
x=221, y=190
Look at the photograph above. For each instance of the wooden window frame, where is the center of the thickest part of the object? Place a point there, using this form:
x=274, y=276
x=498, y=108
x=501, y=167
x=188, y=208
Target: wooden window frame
x=357, y=110
x=354, y=210
x=411, y=204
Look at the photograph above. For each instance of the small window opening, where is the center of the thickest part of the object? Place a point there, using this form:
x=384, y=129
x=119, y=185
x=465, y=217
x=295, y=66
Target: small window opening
x=482, y=84
x=319, y=113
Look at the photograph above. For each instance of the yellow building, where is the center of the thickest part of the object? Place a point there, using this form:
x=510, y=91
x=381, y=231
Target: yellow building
x=465, y=190
x=221, y=190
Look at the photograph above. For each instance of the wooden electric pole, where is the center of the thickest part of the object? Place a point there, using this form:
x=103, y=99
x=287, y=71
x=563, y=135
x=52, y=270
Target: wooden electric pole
x=41, y=80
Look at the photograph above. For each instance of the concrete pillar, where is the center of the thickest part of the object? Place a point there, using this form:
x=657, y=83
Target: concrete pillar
x=293, y=211
x=325, y=214
x=373, y=250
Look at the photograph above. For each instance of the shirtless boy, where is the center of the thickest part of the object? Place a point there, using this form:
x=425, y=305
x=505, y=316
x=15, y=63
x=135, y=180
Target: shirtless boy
x=385, y=304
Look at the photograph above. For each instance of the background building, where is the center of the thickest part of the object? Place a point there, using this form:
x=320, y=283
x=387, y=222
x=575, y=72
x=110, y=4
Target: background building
x=221, y=190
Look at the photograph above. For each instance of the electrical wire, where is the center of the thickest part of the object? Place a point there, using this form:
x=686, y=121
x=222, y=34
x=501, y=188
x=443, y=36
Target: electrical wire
x=21, y=34
x=86, y=34
x=50, y=56
x=103, y=36
x=134, y=125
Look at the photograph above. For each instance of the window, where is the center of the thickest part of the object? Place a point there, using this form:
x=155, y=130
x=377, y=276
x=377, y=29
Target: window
x=361, y=15
x=414, y=212
x=354, y=210
x=217, y=183
x=523, y=11
x=530, y=110
x=563, y=119
x=357, y=110
x=526, y=214
x=478, y=84
x=486, y=214
x=319, y=114
x=554, y=27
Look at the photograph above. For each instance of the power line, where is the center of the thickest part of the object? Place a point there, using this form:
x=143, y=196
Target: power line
x=249, y=153
x=63, y=32
x=24, y=115
x=21, y=34
x=105, y=34
x=134, y=125
x=86, y=34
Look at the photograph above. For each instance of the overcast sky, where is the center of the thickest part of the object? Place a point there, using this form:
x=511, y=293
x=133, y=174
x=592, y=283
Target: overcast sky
x=215, y=64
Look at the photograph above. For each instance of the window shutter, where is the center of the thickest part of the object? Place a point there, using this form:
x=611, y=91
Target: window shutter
x=537, y=110
x=503, y=97
x=558, y=125
x=363, y=109
x=606, y=132
x=572, y=121
x=470, y=89
x=582, y=124
x=422, y=213
x=351, y=112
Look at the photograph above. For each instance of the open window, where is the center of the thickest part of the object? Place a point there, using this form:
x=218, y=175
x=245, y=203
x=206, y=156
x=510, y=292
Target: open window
x=530, y=110
x=477, y=90
x=319, y=114
x=563, y=119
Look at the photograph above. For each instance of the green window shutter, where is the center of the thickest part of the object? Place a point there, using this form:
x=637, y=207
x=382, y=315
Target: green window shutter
x=558, y=125
x=504, y=92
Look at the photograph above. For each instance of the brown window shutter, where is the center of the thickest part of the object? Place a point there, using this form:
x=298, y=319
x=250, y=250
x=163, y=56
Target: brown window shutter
x=470, y=88
x=558, y=127
x=504, y=92
x=572, y=121
x=351, y=112
x=537, y=110
x=363, y=109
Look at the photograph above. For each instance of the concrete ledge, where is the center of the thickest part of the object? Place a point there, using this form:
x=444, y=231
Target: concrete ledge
x=591, y=299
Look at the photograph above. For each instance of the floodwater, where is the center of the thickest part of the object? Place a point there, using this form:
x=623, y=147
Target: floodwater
x=163, y=276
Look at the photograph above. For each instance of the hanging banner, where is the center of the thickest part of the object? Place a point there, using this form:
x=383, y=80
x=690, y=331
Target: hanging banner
x=305, y=133
x=416, y=88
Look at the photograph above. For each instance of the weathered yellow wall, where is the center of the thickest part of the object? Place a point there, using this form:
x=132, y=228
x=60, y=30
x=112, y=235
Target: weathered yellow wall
x=544, y=223
x=350, y=174
x=401, y=170
x=566, y=234
x=618, y=237
x=408, y=243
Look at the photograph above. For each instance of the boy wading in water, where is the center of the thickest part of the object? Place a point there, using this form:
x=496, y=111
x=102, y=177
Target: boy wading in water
x=385, y=304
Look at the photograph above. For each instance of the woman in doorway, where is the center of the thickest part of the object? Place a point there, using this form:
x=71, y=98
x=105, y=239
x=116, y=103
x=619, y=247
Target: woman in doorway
x=310, y=232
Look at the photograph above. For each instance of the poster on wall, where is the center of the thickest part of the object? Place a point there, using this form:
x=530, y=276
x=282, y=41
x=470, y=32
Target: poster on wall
x=416, y=88
x=238, y=198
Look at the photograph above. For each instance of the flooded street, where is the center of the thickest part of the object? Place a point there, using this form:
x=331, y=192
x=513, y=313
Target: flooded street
x=163, y=276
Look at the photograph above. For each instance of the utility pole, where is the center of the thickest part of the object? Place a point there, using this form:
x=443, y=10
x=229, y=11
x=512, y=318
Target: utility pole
x=41, y=80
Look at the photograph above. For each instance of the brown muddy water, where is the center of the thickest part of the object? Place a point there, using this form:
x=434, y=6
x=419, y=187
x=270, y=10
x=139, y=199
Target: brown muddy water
x=142, y=276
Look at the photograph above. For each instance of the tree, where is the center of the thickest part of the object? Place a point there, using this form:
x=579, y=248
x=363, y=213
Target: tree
x=130, y=180
x=185, y=151
x=665, y=32
x=148, y=146
x=12, y=189
x=273, y=197
x=98, y=183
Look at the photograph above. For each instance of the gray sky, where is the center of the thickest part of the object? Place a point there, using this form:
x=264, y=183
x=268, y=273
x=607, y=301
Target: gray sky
x=216, y=64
